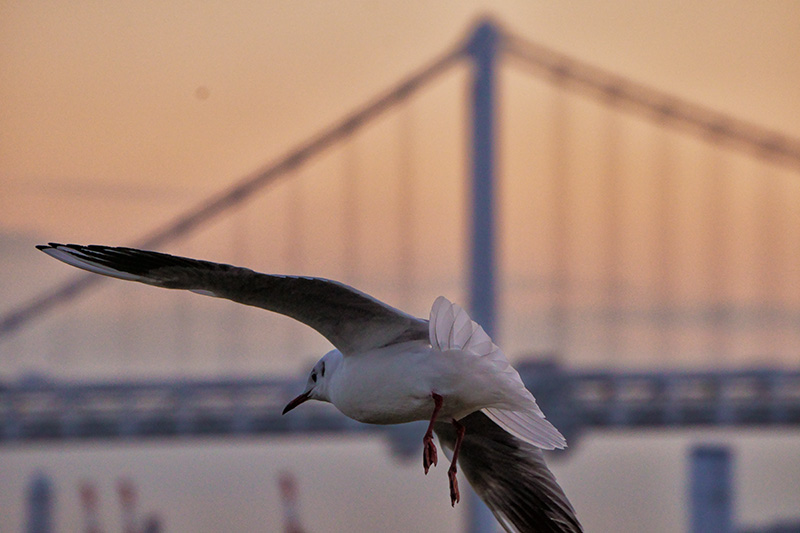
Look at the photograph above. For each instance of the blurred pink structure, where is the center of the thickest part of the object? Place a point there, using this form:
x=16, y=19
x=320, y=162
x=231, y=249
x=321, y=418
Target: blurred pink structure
x=127, y=500
x=291, y=515
x=89, y=502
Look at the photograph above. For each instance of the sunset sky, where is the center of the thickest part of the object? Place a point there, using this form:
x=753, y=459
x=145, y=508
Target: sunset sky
x=116, y=117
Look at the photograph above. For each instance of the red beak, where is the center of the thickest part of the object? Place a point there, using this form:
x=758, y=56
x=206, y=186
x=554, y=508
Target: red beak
x=297, y=401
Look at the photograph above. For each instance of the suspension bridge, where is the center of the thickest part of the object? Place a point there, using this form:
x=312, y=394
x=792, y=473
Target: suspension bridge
x=632, y=256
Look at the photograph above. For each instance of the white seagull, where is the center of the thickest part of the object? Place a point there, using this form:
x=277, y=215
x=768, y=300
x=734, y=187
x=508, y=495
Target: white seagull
x=389, y=367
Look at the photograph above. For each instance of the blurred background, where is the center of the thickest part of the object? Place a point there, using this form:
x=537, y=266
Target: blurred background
x=647, y=224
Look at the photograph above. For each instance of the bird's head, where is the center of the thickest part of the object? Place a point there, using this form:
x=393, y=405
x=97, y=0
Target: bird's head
x=318, y=380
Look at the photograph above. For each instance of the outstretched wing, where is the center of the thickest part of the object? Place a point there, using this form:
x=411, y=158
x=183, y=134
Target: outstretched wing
x=511, y=476
x=351, y=320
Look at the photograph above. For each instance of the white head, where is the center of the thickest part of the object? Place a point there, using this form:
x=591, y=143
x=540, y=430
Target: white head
x=318, y=380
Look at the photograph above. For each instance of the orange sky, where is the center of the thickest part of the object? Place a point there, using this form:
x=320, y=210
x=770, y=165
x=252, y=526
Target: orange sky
x=105, y=98
x=115, y=118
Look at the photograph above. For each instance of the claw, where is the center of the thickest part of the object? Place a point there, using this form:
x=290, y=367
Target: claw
x=455, y=496
x=429, y=455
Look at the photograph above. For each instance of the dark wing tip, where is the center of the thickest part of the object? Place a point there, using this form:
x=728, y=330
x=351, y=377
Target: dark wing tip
x=53, y=245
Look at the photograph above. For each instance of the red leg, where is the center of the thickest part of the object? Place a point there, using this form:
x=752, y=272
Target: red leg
x=455, y=497
x=428, y=447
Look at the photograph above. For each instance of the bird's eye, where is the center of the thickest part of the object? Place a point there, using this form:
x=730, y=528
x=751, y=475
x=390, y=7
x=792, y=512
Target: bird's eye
x=314, y=377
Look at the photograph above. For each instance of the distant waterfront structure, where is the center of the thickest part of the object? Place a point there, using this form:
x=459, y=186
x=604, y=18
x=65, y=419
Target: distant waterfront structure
x=40, y=504
x=90, y=502
x=126, y=491
x=291, y=513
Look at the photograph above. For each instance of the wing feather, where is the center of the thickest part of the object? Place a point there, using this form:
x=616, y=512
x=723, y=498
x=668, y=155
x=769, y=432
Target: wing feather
x=451, y=328
x=351, y=320
x=511, y=476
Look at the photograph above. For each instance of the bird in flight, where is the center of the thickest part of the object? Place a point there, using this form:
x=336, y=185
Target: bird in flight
x=388, y=367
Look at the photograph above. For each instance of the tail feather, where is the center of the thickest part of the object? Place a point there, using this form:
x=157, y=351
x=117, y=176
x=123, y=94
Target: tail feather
x=530, y=427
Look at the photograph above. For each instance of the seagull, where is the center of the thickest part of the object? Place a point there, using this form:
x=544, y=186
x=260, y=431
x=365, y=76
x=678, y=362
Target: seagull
x=388, y=367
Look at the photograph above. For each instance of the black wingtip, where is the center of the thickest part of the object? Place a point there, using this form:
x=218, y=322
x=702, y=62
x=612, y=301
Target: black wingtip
x=53, y=245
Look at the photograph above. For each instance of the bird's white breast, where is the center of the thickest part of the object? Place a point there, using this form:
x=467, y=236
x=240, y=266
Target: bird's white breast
x=393, y=385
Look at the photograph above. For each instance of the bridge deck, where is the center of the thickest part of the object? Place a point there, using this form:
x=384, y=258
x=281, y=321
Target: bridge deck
x=42, y=410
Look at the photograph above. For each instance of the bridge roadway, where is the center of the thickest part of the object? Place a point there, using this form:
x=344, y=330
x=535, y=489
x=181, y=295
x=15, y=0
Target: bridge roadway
x=39, y=409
